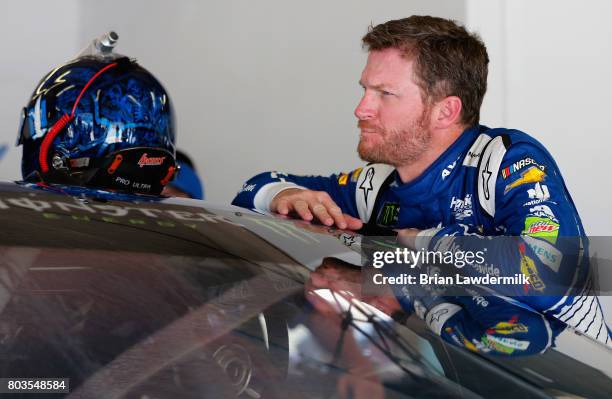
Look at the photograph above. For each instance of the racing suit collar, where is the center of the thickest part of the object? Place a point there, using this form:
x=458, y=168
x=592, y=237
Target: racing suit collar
x=439, y=175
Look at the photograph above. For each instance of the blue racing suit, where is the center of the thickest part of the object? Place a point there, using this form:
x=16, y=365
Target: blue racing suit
x=489, y=182
x=490, y=324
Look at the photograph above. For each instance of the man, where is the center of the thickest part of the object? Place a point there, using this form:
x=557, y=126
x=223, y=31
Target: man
x=434, y=172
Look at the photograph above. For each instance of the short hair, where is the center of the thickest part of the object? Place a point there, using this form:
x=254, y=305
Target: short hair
x=448, y=60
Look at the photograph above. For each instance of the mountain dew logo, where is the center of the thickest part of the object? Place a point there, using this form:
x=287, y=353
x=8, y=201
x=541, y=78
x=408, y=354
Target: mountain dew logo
x=544, y=228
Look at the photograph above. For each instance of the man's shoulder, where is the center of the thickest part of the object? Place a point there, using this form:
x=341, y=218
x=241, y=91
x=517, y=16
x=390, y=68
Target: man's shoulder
x=503, y=152
x=508, y=144
x=491, y=145
x=512, y=136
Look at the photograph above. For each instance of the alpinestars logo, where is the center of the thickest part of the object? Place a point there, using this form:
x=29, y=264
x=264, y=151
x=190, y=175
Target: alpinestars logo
x=437, y=314
x=366, y=185
x=145, y=160
x=347, y=239
x=486, y=176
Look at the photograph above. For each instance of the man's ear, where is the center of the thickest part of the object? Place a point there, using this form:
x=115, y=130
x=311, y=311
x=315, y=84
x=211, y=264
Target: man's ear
x=447, y=112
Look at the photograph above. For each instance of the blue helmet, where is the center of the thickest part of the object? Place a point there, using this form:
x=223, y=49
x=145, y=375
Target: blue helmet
x=99, y=122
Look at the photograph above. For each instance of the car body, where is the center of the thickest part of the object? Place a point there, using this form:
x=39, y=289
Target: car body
x=137, y=296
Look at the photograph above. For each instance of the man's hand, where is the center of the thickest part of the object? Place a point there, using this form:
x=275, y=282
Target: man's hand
x=310, y=204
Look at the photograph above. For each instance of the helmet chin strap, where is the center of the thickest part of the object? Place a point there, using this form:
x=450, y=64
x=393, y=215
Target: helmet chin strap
x=58, y=126
x=143, y=170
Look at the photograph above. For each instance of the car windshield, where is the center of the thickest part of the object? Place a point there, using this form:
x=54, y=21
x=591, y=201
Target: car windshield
x=176, y=299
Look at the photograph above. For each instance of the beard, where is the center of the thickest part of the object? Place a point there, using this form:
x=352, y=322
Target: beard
x=395, y=146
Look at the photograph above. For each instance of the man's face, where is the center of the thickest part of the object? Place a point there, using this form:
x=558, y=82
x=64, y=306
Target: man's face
x=393, y=119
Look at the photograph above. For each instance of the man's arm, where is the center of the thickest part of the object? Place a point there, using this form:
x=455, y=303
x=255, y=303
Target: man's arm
x=330, y=200
x=474, y=320
x=486, y=324
x=533, y=206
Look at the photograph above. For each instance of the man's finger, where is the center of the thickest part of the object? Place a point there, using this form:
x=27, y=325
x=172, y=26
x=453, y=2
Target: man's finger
x=336, y=213
x=282, y=207
x=301, y=207
x=321, y=213
x=333, y=209
x=352, y=223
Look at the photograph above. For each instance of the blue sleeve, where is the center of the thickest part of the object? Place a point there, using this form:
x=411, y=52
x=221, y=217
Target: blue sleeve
x=259, y=190
x=544, y=236
x=479, y=322
x=492, y=325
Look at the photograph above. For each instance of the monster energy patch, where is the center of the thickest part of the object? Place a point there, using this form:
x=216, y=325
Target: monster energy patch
x=389, y=214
